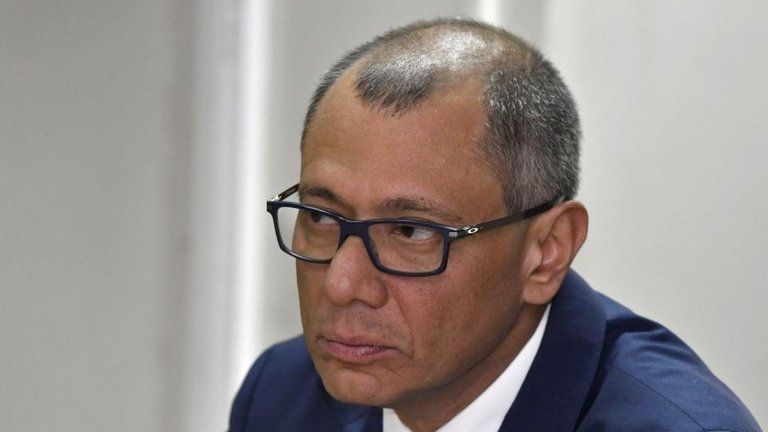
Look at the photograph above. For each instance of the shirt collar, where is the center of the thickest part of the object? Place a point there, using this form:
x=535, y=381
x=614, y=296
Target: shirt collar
x=487, y=411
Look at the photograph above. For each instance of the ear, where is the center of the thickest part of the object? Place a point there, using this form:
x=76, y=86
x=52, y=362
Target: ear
x=554, y=238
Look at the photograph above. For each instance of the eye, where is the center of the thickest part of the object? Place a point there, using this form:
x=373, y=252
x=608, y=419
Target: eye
x=415, y=232
x=321, y=218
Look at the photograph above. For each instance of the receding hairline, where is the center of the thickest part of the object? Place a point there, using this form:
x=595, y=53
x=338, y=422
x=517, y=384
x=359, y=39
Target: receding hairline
x=451, y=50
x=467, y=93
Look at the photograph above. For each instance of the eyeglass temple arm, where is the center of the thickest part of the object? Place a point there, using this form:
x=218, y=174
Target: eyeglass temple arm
x=517, y=217
x=286, y=193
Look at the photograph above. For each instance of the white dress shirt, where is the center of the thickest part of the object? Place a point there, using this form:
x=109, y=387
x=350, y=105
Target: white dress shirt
x=487, y=412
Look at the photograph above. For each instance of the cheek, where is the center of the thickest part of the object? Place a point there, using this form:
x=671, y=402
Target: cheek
x=309, y=279
x=496, y=264
x=442, y=317
x=469, y=310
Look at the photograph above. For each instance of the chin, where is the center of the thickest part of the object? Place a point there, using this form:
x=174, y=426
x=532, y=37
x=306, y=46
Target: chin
x=355, y=386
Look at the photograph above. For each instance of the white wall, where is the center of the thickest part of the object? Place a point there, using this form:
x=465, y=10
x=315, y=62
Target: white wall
x=88, y=309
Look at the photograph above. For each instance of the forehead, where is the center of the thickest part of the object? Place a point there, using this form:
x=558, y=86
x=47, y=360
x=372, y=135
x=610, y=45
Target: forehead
x=432, y=150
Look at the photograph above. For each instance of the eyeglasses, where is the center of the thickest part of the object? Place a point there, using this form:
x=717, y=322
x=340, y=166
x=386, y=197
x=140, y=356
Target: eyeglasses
x=405, y=247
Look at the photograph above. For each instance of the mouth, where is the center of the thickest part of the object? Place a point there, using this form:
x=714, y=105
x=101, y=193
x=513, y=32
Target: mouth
x=354, y=350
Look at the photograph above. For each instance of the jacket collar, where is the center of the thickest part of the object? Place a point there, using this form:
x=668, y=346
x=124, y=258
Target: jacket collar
x=357, y=418
x=556, y=387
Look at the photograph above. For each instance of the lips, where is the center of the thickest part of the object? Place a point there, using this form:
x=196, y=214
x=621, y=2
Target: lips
x=354, y=350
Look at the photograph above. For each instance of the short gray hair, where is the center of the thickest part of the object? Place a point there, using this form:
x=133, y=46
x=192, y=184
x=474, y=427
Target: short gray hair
x=532, y=126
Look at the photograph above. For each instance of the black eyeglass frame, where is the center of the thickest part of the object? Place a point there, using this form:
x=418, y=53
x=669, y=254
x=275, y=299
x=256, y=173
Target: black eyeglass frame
x=359, y=228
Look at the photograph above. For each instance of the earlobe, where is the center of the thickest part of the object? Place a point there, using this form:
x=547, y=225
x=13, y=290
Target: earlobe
x=557, y=235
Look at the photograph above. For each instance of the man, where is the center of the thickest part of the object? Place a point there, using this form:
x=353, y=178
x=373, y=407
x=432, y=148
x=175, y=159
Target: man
x=434, y=229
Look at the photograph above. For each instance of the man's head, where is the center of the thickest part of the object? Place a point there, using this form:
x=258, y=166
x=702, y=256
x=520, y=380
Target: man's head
x=457, y=123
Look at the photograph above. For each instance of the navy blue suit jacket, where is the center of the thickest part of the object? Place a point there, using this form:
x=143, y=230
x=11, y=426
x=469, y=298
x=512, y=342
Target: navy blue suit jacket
x=600, y=367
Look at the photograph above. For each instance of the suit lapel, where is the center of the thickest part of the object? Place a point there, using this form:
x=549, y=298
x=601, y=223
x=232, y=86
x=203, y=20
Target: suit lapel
x=357, y=418
x=557, y=384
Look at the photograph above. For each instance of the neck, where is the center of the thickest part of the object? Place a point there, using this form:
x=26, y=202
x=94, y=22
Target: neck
x=429, y=412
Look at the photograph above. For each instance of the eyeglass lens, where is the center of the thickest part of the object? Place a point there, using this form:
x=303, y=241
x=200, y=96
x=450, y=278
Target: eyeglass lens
x=397, y=246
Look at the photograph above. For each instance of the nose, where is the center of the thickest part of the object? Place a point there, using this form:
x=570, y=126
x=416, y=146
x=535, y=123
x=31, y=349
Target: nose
x=351, y=277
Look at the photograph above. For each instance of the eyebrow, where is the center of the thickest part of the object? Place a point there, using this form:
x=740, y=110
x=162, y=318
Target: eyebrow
x=322, y=193
x=421, y=205
x=398, y=204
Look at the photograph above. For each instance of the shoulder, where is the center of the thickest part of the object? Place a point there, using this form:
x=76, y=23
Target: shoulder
x=649, y=379
x=282, y=391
